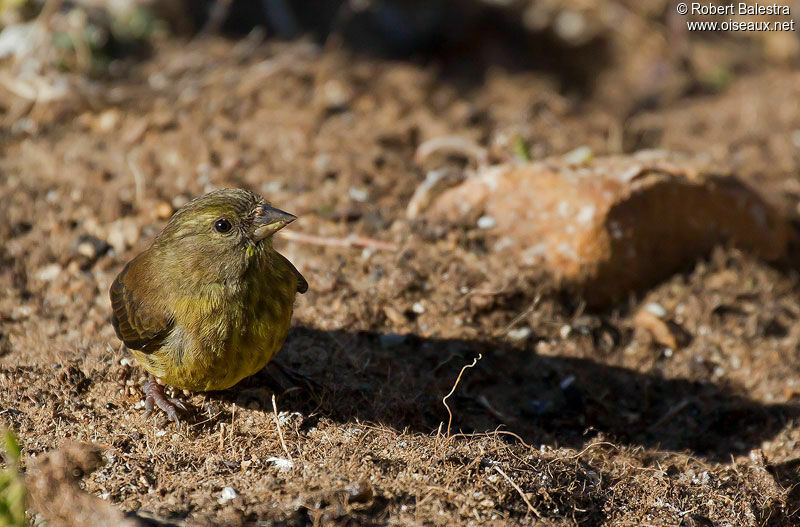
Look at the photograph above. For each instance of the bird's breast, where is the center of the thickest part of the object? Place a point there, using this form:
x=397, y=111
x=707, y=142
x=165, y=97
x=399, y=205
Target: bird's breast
x=226, y=332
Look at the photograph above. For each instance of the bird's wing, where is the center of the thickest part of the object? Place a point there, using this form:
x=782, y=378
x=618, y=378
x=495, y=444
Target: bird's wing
x=302, y=284
x=138, y=323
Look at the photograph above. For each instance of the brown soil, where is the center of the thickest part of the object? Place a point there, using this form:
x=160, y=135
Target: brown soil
x=585, y=420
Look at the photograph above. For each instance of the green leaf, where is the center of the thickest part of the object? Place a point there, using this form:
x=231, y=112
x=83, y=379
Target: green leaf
x=13, y=494
x=12, y=447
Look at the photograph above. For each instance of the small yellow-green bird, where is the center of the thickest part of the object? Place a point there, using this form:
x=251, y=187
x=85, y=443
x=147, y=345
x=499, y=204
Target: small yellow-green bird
x=210, y=301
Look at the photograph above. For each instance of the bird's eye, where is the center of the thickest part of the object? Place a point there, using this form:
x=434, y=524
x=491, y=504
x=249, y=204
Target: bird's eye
x=222, y=225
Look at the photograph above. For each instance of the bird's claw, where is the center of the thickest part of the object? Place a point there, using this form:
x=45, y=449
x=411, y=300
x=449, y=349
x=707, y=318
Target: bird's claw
x=154, y=396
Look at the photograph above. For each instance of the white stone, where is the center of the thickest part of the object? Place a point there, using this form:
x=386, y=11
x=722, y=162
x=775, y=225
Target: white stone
x=228, y=493
x=283, y=465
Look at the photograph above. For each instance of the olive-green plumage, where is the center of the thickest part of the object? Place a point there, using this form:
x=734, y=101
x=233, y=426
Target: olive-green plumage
x=210, y=302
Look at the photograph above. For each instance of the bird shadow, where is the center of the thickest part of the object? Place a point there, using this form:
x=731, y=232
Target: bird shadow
x=400, y=381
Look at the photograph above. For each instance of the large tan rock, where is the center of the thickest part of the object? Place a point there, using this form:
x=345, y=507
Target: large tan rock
x=616, y=224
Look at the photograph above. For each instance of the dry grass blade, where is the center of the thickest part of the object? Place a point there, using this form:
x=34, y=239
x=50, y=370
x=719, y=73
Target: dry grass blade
x=138, y=178
x=453, y=389
x=499, y=432
x=594, y=445
x=280, y=430
x=519, y=490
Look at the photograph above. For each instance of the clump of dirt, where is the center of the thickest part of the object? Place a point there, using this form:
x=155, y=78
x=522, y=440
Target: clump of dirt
x=570, y=416
x=53, y=485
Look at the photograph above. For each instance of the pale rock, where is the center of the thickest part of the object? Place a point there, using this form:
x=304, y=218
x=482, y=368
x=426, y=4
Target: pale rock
x=49, y=272
x=609, y=226
x=227, y=494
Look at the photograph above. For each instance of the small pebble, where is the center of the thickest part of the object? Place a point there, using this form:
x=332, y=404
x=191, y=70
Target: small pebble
x=48, y=272
x=163, y=210
x=358, y=194
x=87, y=249
x=567, y=382
x=284, y=465
x=336, y=94
x=519, y=333
x=579, y=156
x=179, y=201
x=394, y=315
x=107, y=121
x=656, y=309
x=570, y=26
x=321, y=164
x=486, y=222
x=122, y=234
x=228, y=493
x=21, y=312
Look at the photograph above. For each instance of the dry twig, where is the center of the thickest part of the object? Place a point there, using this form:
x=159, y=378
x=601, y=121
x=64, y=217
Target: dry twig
x=351, y=240
x=454, y=144
x=671, y=413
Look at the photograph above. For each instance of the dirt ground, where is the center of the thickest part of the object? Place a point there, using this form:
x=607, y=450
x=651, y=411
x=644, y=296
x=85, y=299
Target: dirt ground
x=569, y=417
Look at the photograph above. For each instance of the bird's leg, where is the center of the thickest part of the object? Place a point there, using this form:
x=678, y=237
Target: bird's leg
x=154, y=396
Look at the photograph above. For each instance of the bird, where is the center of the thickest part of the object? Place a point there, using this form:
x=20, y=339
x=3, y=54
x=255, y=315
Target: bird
x=210, y=301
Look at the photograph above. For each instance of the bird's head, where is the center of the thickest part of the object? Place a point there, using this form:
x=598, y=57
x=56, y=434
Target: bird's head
x=221, y=231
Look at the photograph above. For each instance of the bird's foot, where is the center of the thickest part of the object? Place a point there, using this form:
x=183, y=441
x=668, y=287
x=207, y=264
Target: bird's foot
x=155, y=396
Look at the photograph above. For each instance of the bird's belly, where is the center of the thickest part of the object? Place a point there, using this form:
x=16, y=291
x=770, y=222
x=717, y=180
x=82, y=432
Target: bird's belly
x=201, y=362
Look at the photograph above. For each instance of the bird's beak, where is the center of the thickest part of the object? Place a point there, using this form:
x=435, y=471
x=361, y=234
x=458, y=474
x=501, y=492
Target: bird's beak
x=268, y=221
